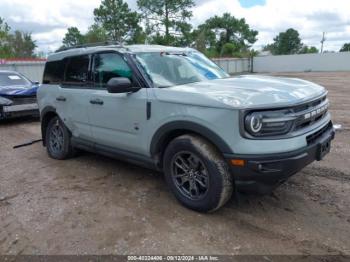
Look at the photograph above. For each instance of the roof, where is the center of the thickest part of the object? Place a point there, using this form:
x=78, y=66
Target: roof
x=123, y=49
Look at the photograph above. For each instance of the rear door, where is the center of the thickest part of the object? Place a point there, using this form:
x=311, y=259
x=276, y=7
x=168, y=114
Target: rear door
x=74, y=96
x=117, y=120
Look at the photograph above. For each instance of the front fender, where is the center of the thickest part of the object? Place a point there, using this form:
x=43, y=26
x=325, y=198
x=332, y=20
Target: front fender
x=162, y=134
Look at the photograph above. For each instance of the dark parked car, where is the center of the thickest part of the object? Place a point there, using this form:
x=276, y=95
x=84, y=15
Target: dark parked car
x=17, y=95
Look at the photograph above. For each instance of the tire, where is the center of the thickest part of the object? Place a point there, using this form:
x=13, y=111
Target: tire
x=197, y=174
x=58, y=140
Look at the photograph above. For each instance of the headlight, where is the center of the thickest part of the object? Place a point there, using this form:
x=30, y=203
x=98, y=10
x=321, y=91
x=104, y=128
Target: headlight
x=5, y=102
x=268, y=123
x=254, y=123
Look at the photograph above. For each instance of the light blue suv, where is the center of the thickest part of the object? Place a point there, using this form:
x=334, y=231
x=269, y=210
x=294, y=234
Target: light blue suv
x=174, y=110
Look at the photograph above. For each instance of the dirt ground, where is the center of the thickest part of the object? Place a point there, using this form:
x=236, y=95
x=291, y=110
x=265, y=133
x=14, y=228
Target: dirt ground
x=95, y=205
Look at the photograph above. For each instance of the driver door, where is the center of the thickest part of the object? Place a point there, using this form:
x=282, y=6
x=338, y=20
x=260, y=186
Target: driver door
x=117, y=120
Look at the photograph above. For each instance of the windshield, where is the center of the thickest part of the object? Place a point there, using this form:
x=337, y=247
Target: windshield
x=13, y=79
x=170, y=69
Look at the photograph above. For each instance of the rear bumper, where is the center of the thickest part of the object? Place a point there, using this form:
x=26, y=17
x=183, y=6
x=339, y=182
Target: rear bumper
x=262, y=173
x=7, y=112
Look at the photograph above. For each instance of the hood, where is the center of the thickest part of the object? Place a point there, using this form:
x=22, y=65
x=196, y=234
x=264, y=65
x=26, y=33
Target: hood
x=18, y=90
x=248, y=91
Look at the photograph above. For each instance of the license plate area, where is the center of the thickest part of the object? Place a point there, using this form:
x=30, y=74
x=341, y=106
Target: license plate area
x=323, y=148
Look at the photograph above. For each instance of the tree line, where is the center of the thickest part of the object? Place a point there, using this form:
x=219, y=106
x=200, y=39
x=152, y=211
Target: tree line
x=167, y=22
x=164, y=22
x=15, y=44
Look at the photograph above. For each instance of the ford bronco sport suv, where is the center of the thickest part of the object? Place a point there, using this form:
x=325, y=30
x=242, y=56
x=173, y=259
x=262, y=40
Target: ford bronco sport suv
x=174, y=110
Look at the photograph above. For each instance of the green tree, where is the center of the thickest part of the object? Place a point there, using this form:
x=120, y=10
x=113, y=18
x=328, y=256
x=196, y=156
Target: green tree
x=204, y=39
x=286, y=43
x=22, y=44
x=4, y=44
x=229, y=29
x=138, y=37
x=4, y=29
x=345, y=48
x=169, y=18
x=308, y=50
x=73, y=37
x=269, y=47
x=228, y=49
x=96, y=34
x=17, y=44
x=185, y=37
x=117, y=19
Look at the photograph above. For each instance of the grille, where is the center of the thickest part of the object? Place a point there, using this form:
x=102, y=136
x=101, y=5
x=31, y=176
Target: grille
x=310, y=113
x=311, y=139
x=22, y=100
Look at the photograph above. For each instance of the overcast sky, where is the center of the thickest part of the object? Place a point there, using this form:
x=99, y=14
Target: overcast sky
x=48, y=20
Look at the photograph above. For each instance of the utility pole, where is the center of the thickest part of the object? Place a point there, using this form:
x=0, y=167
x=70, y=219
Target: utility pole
x=322, y=41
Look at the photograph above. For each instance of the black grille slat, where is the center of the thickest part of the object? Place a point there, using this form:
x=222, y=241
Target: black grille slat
x=311, y=139
x=22, y=100
x=309, y=105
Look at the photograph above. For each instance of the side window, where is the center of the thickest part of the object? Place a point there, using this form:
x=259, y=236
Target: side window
x=77, y=70
x=107, y=66
x=53, y=73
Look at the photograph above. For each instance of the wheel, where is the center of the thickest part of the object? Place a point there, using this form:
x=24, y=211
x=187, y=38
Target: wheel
x=197, y=174
x=58, y=143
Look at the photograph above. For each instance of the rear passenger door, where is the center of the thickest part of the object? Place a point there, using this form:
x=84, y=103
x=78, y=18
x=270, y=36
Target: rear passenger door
x=74, y=96
x=118, y=120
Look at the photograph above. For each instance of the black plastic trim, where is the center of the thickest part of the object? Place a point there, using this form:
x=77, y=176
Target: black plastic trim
x=115, y=153
x=46, y=110
x=161, y=135
x=148, y=110
x=263, y=172
x=43, y=113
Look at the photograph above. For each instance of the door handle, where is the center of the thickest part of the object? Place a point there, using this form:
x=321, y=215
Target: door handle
x=96, y=102
x=61, y=99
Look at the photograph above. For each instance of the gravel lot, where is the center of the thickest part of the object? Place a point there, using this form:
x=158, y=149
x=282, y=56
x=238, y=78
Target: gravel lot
x=96, y=205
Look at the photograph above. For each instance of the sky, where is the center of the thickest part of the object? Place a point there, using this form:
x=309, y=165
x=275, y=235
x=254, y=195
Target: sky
x=48, y=20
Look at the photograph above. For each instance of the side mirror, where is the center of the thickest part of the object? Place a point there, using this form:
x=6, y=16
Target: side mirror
x=120, y=85
x=36, y=83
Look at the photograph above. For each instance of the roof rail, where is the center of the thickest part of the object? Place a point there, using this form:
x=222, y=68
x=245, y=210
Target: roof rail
x=106, y=43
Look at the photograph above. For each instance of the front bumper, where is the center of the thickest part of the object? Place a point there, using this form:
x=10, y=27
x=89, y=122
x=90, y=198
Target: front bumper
x=263, y=173
x=19, y=110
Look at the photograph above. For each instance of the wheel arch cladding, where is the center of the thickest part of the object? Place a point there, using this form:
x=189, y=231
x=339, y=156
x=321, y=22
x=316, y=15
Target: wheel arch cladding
x=46, y=115
x=171, y=130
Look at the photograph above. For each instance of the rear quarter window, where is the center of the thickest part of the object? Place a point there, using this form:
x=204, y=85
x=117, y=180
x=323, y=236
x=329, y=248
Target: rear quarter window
x=54, y=71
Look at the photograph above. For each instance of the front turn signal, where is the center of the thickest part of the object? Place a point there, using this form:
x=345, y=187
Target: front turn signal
x=237, y=162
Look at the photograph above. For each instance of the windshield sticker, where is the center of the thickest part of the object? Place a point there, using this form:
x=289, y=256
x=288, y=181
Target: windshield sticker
x=14, y=77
